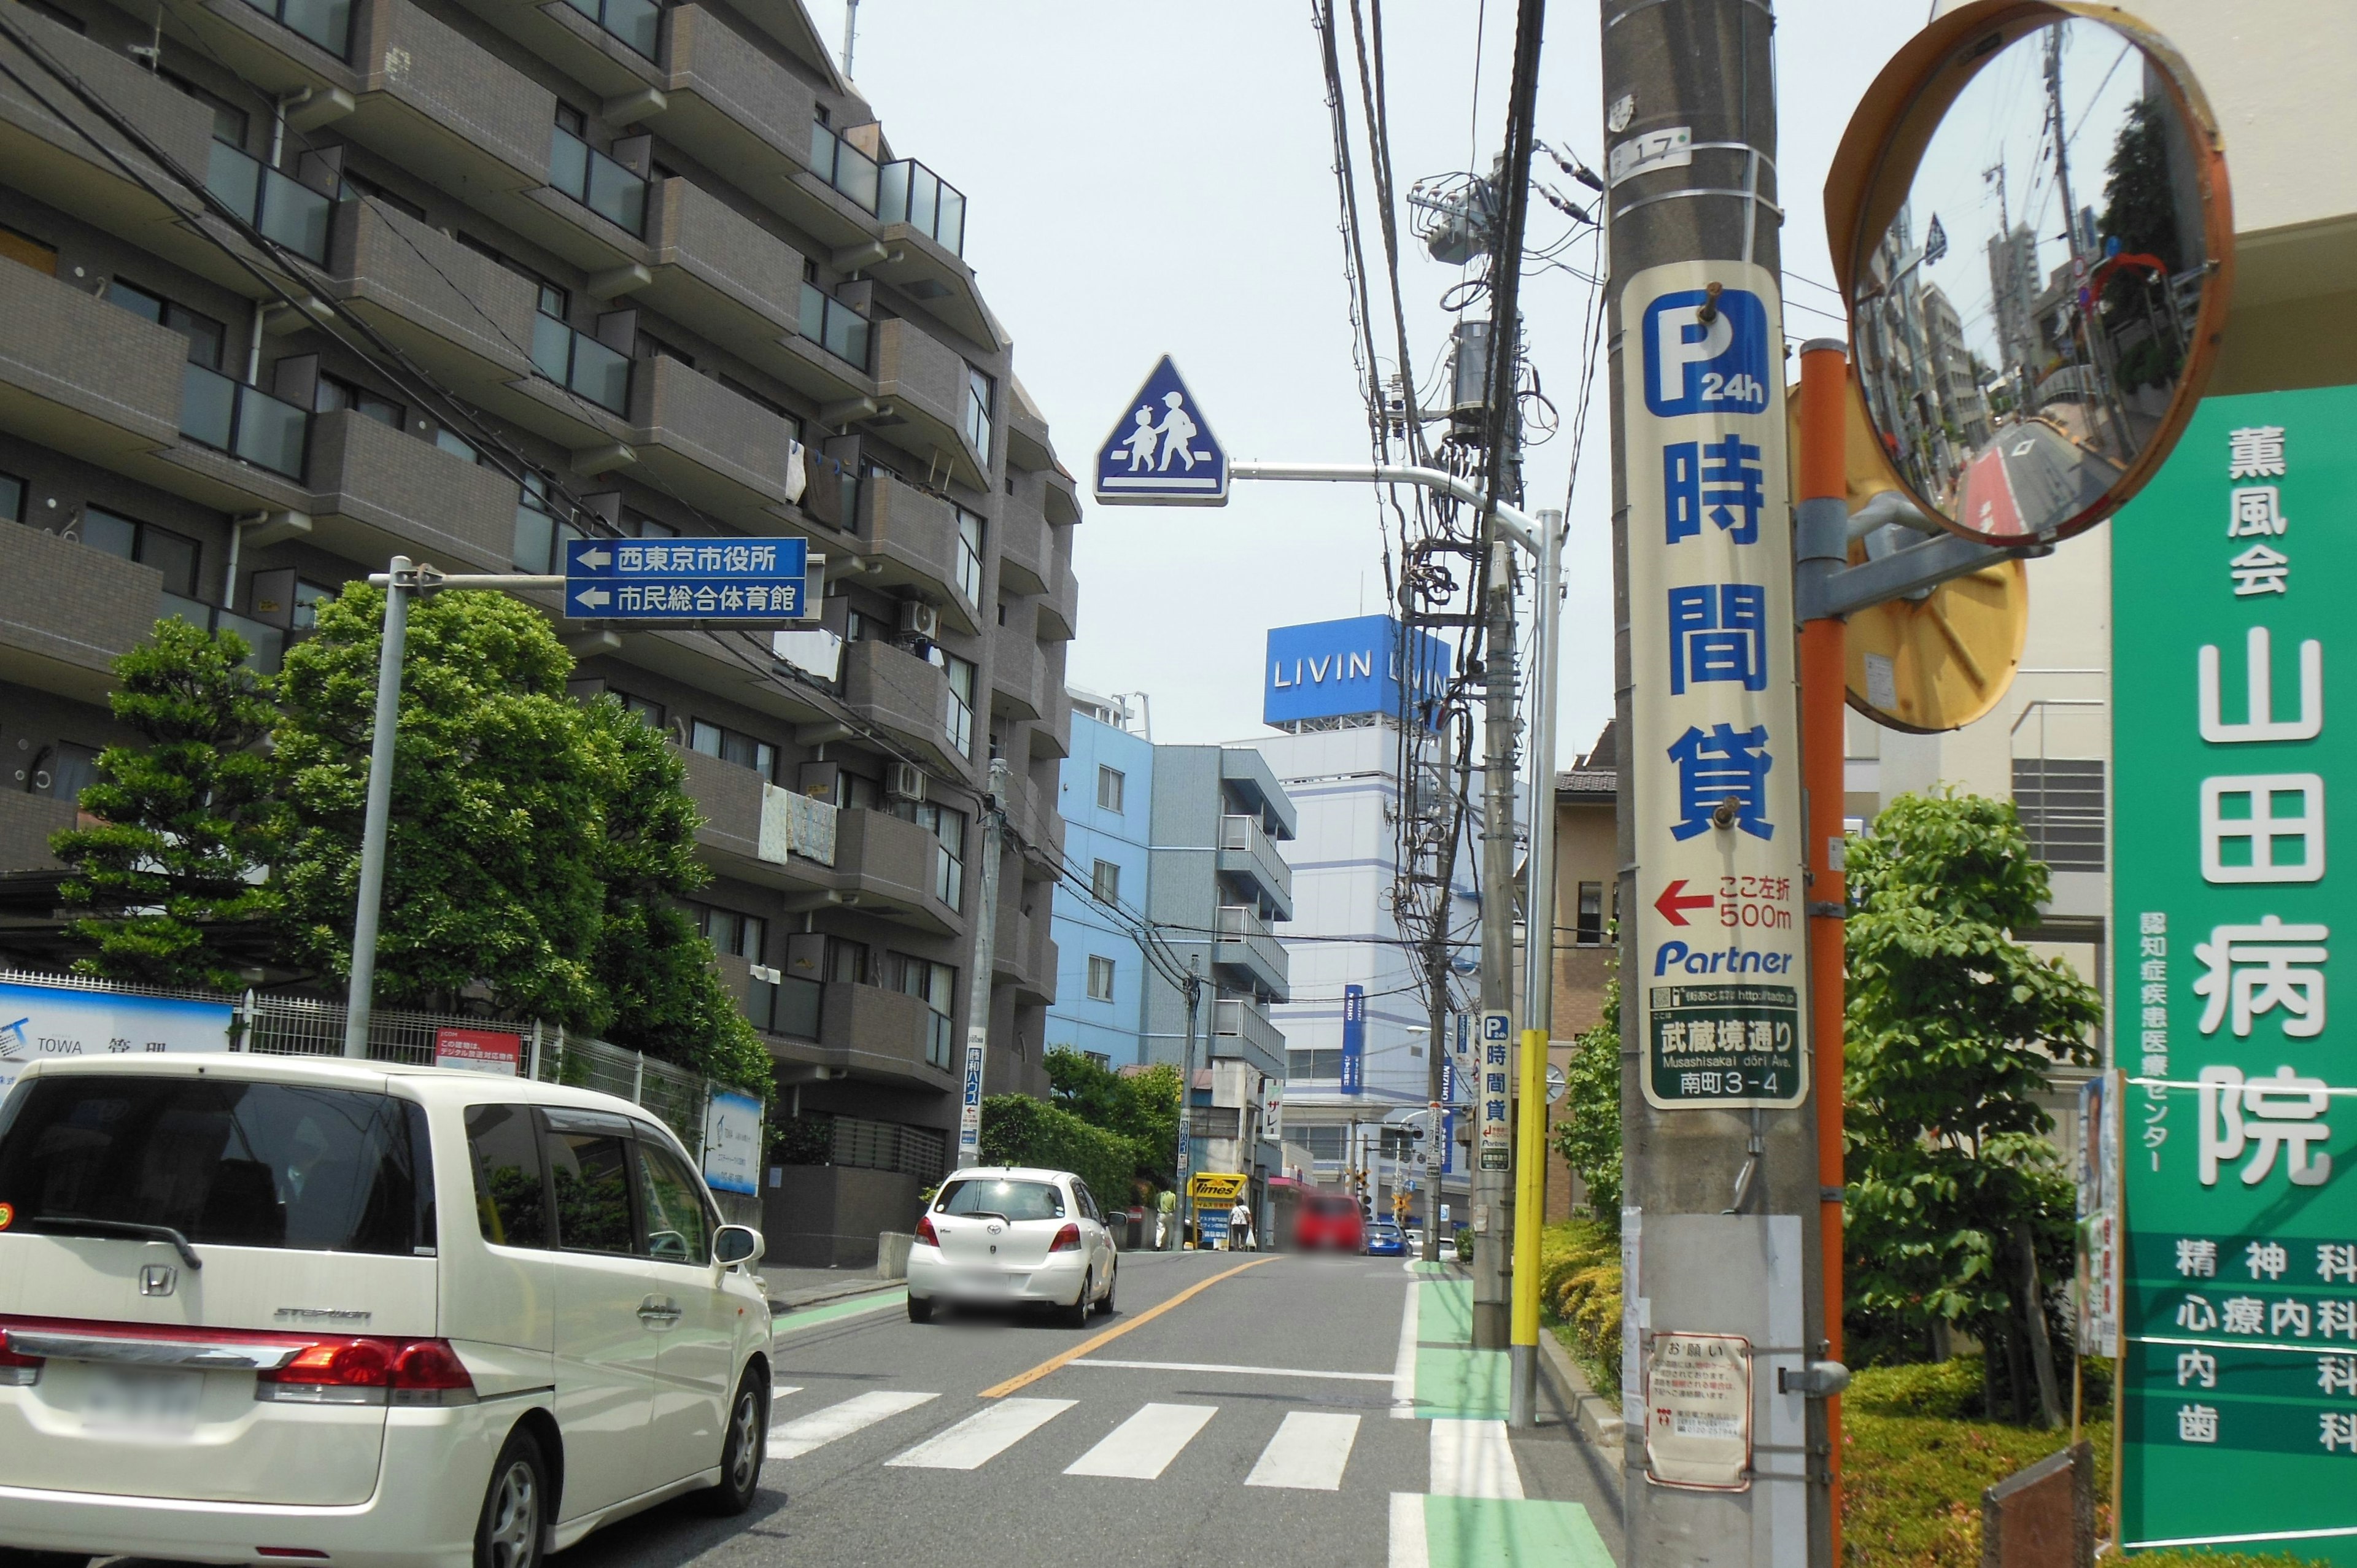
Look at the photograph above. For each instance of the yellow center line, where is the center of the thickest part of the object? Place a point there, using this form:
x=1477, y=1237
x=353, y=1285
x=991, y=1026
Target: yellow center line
x=1025, y=1379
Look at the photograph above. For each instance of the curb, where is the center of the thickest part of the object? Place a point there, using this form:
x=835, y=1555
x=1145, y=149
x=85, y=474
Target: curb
x=794, y=1301
x=1599, y=1423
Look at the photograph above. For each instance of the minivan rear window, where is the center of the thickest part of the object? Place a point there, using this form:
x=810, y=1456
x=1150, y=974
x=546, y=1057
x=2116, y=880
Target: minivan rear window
x=221, y=1161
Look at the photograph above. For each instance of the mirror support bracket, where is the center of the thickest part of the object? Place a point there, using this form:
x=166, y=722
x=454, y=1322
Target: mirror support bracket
x=1843, y=592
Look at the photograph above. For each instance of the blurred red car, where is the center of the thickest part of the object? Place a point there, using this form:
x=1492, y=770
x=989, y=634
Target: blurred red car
x=1329, y=1222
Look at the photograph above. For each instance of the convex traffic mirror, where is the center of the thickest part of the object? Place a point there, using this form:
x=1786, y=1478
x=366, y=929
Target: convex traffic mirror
x=2030, y=223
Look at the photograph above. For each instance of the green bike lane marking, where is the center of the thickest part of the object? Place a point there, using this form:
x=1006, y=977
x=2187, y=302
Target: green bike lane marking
x=1482, y=1532
x=828, y=1312
x=1452, y=1378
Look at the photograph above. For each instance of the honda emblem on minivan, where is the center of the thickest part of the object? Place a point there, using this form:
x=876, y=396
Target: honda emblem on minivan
x=157, y=1279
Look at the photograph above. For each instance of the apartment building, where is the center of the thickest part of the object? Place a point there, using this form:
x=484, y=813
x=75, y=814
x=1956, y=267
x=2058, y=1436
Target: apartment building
x=1106, y=800
x=607, y=266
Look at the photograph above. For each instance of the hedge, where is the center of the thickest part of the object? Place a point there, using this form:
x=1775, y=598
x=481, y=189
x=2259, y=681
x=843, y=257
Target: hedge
x=1018, y=1129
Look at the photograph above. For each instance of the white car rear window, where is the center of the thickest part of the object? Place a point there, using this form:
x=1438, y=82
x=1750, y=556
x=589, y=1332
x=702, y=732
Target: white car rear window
x=1009, y=1198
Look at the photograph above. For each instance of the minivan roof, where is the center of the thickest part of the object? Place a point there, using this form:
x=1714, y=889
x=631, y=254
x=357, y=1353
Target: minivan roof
x=428, y=1085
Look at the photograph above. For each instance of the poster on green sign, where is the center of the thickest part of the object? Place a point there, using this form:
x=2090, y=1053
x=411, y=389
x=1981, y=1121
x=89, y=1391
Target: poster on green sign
x=2238, y=1385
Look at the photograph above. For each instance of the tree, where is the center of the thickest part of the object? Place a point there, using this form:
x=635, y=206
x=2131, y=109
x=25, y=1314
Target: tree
x=1018, y=1129
x=655, y=966
x=492, y=885
x=1951, y=1026
x=1588, y=1138
x=1141, y=1108
x=175, y=860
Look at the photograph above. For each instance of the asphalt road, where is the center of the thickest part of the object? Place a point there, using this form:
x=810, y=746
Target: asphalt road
x=2029, y=478
x=1276, y=1412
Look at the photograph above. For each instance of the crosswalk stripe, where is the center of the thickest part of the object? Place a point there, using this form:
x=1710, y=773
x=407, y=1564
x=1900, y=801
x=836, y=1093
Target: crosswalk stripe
x=1143, y=1447
x=1473, y=1459
x=782, y=1391
x=817, y=1430
x=1409, y=1547
x=1308, y=1454
x=983, y=1436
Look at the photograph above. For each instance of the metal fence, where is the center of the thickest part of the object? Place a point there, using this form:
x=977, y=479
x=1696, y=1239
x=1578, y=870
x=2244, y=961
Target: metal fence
x=826, y=1139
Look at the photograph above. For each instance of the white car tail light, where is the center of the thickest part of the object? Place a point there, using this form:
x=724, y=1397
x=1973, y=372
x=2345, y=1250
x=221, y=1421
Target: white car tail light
x=1068, y=1240
x=926, y=1235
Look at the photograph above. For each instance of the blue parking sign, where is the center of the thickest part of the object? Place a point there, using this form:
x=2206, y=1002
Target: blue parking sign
x=1706, y=354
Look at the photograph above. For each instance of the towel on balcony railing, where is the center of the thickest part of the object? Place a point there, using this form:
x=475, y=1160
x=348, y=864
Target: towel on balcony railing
x=795, y=823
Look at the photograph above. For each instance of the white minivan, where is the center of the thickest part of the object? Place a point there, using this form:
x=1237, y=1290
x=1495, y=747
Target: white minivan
x=273, y=1309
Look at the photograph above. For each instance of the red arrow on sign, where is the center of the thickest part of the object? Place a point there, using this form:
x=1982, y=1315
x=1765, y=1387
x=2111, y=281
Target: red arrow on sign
x=1670, y=905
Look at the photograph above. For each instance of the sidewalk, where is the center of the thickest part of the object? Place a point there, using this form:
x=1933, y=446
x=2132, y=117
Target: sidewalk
x=798, y=1287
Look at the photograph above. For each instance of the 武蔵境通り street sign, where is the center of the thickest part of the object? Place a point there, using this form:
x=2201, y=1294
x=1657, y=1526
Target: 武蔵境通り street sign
x=1161, y=451
x=682, y=579
x=2238, y=1137
x=1716, y=746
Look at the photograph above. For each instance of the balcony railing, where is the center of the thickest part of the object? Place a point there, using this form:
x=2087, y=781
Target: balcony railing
x=1236, y=1019
x=284, y=209
x=834, y=326
x=596, y=181
x=637, y=23
x=267, y=643
x=243, y=420
x=908, y=192
x=326, y=23
x=579, y=361
x=844, y=166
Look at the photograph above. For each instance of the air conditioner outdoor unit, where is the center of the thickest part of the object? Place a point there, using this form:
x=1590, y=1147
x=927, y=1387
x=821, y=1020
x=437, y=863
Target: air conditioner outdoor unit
x=908, y=782
x=921, y=620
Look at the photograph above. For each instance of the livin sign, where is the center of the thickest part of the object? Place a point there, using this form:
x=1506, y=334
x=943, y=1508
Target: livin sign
x=1717, y=730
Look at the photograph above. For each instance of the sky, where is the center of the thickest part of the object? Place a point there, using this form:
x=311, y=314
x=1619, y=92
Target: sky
x=1151, y=178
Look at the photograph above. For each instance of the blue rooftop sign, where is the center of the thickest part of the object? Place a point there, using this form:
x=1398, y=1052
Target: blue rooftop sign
x=1161, y=451
x=1331, y=668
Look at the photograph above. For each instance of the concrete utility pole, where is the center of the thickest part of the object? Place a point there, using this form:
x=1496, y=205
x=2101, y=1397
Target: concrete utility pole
x=377, y=815
x=1721, y=1231
x=1491, y=1309
x=978, y=983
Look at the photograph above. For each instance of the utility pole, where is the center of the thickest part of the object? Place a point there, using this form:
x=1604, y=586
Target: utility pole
x=1491, y=1309
x=1186, y=1096
x=978, y=983
x=1538, y=981
x=377, y=815
x=1721, y=1232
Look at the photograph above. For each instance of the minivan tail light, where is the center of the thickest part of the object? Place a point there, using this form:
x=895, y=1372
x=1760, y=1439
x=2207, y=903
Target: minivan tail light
x=926, y=1235
x=17, y=1371
x=1068, y=1240
x=370, y=1370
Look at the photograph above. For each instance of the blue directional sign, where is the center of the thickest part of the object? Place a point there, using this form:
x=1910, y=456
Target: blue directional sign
x=685, y=579
x=1161, y=451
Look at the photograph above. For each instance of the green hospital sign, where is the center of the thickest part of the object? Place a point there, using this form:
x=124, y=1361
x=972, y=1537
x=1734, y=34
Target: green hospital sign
x=2233, y=785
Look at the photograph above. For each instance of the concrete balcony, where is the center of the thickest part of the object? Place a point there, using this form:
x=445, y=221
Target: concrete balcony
x=1016, y=672
x=83, y=376
x=378, y=490
x=1059, y=608
x=909, y=539
x=49, y=158
x=732, y=107
x=887, y=867
x=609, y=48
x=897, y=692
x=1021, y=951
x=1027, y=553
x=880, y=1034
x=67, y=612
x=1060, y=497
x=1028, y=447
x=708, y=446
x=1242, y=1028
x=921, y=395
x=446, y=109
x=1246, y=946
x=719, y=272
x=1251, y=856
x=455, y=310
x=26, y=823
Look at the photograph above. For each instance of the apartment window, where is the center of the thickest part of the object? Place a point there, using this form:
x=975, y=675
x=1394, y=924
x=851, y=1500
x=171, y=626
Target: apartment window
x=961, y=714
x=653, y=347
x=1105, y=883
x=26, y=251
x=229, y=120
x=1589, y=932
x=1100, y=1058
x=968, y=558
x=457, y=445
x=1213, y=1120
x=1323, y=1142
x=205, y=336
x=540, y=536
x=978, y=390
x=1109, y=786
x=11, y=497
x=936, y=985
x=638, y=525
x=174, y=554
x=1313, y=1064
x=733, y=745
x=70, y=769
x=731, y=932
x=359, y=185
x=846, y=961
x=554, y=303
x=1100, y=979
x=304, y=615
x=2060, y=802
x=334, y=392
x=646, y=710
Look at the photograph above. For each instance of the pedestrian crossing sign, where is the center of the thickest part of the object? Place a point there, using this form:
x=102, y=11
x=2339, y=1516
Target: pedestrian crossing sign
x=1161, y=451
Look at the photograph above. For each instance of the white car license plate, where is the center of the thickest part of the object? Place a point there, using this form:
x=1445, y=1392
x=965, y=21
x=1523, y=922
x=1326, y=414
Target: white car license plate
x=142, y=1399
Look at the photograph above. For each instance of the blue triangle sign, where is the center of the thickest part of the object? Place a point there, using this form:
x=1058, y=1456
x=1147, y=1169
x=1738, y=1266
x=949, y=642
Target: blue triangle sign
x=1161, y=451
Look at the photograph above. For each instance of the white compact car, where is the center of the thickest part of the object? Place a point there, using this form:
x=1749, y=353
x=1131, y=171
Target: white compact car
x=1006, y=1235
x=262, y=1308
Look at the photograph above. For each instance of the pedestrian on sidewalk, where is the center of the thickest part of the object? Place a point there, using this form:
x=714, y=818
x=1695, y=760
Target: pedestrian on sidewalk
x=1240, y=1228
x=1166, y=1220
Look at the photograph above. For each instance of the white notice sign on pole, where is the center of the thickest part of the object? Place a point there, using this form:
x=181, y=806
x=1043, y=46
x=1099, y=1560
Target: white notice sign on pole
x=1698, y=1412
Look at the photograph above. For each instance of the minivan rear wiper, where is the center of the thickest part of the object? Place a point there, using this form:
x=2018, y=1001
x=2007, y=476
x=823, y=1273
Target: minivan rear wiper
x=75, y=1225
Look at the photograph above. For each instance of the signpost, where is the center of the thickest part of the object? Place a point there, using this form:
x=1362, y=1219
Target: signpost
x=686, y=579
x=1496, y=1039
x=1162, y=451
x=2239, y=1124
